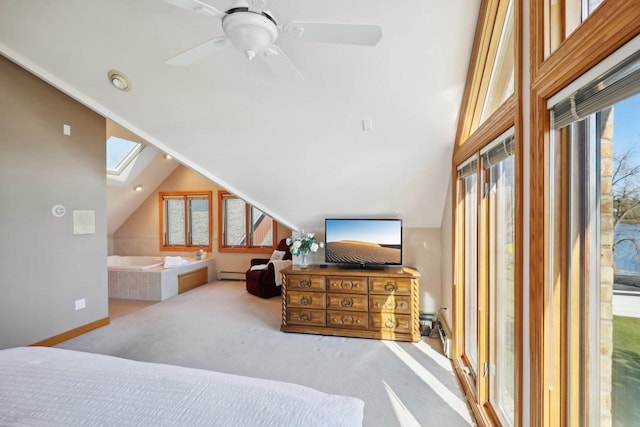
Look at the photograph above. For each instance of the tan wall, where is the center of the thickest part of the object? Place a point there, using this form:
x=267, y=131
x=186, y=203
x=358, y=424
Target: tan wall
x=139, y=234
x=44, y=267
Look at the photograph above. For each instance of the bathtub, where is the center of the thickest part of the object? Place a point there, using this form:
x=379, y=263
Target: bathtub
x=116, y=262
x=145, y=278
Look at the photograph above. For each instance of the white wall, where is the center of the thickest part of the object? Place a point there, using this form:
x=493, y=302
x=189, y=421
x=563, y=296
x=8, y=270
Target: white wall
x=446, y=249
x=44, y=267
x=421, y=249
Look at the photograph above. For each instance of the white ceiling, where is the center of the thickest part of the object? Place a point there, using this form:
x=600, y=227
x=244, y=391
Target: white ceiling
x=296, y=151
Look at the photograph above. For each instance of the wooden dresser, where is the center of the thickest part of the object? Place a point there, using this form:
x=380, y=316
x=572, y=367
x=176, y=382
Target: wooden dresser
x=381, y=304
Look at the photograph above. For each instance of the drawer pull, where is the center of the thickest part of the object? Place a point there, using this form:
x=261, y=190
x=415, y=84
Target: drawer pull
x=346, y=302
x=305, y=317
x=390, y=287
x=305, y=300
x=304, y=283
x=391, y=324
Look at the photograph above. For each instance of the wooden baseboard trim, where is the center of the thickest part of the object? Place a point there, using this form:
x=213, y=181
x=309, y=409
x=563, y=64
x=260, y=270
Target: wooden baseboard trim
x=57, y=339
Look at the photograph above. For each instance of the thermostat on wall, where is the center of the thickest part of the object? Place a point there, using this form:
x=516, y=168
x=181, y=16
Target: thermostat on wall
x=58, y=211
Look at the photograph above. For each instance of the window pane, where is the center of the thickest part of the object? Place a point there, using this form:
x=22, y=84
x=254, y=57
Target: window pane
x=470, y=270
x=602, y=279
x=119, y=153
x=235, y=225
x=199, y=220
x=501, y=83
x=261, y=228
x=619, y=127
x=174, y=220
x=502, y=287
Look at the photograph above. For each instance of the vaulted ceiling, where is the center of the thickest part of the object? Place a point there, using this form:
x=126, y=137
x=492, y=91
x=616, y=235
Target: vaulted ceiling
x=297, y=151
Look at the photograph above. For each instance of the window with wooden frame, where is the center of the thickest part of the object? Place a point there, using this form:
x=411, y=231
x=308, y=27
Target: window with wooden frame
x=488, y=292
x=492, y=81
x=561, y=391
x=242, y=227
x=596, y=186
x=467, y=256
x=185, y=220
x=499, y=245
x=563, y=17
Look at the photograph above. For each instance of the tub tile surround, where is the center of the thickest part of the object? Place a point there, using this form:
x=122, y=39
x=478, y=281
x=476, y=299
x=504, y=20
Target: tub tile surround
x=154, y=284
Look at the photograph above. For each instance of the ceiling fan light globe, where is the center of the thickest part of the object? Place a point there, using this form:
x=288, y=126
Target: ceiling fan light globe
x=250, y=31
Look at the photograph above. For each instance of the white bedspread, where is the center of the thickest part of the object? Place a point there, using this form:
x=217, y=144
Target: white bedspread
x=53, y=387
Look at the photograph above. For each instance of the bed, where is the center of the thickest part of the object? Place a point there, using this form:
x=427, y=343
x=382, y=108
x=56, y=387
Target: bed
x=42, y=386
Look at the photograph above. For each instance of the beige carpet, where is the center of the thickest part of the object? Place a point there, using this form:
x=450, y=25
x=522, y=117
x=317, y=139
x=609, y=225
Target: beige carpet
x=221, y=327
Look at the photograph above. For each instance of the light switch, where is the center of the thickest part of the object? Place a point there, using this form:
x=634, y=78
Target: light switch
x=66, y=129
x=367, y=124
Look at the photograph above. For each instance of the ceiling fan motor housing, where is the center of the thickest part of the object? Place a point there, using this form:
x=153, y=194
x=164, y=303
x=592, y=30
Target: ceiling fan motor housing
x=250, y=32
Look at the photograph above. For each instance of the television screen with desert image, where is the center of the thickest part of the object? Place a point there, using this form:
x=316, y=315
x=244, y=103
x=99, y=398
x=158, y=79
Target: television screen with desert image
x=363, y=241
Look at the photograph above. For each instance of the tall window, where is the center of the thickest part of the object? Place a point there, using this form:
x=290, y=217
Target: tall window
x=244, y=228
x=185, y=220
x=595, y=191
x=488, y=292
x=499, y=173
x=468, y=230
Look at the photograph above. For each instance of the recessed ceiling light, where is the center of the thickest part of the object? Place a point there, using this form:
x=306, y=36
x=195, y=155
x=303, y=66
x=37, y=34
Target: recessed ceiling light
x=119, y=80
x=137, y=188
x=168, y=156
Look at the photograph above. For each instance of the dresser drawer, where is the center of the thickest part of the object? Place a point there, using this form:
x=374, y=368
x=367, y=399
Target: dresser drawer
x=306, y=282
x=389, y=285
x=348, y=284
x=388, y=322
x=392, y=303
x=306, y=299
x=347, y=319
x=301, y=316
x=351, y=302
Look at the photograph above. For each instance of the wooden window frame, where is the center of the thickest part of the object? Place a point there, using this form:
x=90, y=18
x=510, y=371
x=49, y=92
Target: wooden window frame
x=470, y=139
x=609, y=27
x=485, y=49
x=471, y=378
x=244, y=248
x=185, y=195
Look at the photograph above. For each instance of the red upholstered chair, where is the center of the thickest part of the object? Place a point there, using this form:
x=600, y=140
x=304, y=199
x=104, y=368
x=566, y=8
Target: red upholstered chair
x=262, y=283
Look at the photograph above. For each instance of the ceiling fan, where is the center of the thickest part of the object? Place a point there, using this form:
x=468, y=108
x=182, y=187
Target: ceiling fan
x=252, y=28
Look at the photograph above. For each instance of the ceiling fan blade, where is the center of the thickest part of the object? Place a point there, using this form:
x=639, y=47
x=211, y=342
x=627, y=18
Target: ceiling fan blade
x=196, y=6
x=199, y=52
x=258, y=6
x=281, y=65
x=359, y=34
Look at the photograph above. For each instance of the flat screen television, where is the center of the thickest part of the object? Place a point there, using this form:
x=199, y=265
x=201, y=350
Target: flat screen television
x=363, y=243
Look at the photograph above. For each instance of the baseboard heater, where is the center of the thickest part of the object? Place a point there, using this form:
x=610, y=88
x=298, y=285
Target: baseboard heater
x=232, y=275
x=445, y=336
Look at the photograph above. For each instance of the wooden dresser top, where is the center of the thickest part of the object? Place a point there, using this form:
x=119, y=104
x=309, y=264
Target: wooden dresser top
x=332, y=270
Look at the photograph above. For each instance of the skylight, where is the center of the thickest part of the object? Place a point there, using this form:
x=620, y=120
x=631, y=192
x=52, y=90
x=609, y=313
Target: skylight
x=120, y=152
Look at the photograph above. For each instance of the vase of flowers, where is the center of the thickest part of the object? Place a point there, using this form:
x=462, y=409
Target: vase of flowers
x=302, y=245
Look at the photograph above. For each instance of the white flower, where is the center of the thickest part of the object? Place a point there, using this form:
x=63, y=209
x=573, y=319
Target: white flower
x=304, y=243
